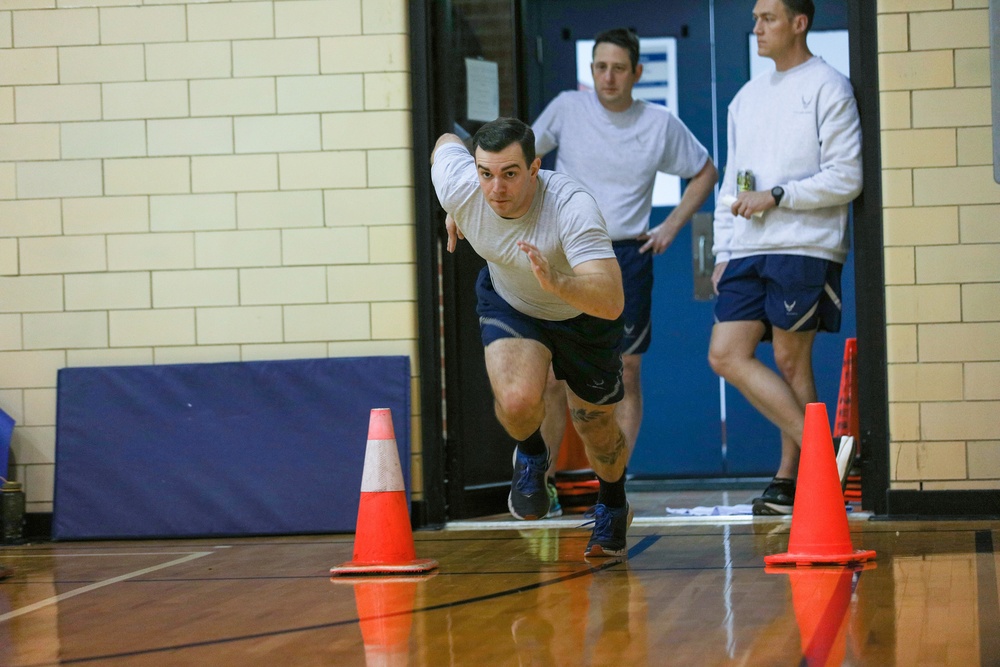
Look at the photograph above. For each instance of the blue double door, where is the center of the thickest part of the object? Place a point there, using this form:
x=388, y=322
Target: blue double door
x=694, y=425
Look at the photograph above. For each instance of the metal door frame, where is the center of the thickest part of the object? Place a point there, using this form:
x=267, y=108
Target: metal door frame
x=869, y=269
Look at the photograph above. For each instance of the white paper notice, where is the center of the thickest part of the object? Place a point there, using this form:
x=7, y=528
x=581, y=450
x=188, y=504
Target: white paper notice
x=482, y=80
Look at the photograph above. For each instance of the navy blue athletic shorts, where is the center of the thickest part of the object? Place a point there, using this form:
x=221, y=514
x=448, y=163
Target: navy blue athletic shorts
x=585, y=349
x=637, y=279
x=791, y=292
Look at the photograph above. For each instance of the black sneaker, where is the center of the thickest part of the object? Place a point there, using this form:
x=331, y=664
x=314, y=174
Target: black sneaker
x=610, y=529
x=529, y=495
x=777, y=498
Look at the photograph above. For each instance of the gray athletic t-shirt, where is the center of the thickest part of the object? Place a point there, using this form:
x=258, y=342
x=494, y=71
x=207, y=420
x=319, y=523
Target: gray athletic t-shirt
x=615, y=154
x=564, y=223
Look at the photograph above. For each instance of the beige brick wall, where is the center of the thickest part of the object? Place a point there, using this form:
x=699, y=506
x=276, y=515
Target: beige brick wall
x=942, y=240
x=186, y=182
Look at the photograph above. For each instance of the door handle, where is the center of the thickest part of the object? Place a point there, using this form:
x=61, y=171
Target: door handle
x=701, y=255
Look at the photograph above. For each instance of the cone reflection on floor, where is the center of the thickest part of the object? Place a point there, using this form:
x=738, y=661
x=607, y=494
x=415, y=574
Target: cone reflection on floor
x=821, y=597
x=383, y=541
x=819, y=520
x=385, y=616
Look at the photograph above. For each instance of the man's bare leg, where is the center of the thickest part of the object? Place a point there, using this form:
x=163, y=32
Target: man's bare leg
x=554, y=423
x=731, y=354
x=517, y=368
x=793, y=356
x=607, y=452
x=629, y=411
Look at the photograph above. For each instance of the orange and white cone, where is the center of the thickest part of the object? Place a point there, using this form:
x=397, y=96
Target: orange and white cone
x=383, y=540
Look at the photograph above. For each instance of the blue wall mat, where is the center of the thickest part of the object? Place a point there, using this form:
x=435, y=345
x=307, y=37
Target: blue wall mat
x=255, y=448
x=6, y=431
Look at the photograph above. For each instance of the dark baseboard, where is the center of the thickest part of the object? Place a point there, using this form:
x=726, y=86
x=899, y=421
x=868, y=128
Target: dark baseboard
x=944, y=504
x=37, y=526
x=420, y=516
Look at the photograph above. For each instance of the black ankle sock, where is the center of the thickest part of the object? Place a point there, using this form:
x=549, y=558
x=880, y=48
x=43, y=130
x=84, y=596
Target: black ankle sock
x=612, y=494
x=533, y=445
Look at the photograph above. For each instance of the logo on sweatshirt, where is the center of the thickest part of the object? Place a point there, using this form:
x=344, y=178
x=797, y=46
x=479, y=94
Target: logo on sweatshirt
x=806, y=101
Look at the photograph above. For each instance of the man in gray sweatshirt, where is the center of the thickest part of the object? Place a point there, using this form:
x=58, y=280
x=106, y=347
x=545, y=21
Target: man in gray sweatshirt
x=780, y=245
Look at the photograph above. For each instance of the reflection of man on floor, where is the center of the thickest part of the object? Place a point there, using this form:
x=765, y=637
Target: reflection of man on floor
x=601, y=619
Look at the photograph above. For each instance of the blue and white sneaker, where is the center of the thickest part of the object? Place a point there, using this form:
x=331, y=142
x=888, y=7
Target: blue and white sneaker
x=529, y=494
x=610, y=530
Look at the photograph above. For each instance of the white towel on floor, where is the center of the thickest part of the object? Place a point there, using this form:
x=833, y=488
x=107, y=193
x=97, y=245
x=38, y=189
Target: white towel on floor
x=718, y=510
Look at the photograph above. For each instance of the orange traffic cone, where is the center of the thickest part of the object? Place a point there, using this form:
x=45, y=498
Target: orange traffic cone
x=383, y=541
x=821, y=597
x=846, y=425
x=819, y=520
x=847, y=421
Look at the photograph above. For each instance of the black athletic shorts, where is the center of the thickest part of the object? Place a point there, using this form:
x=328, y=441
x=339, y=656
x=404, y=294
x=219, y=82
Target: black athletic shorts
x=585, y=349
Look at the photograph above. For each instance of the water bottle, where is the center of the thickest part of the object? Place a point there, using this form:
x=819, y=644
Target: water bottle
x=12, y=511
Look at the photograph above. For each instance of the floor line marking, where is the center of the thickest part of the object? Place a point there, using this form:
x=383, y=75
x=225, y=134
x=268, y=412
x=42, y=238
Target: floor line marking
x=605, y=564
x=100, y=584
x=14, y=556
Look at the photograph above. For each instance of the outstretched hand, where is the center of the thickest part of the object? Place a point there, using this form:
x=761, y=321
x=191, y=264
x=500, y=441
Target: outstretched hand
x=539, y=265
x=454, y=233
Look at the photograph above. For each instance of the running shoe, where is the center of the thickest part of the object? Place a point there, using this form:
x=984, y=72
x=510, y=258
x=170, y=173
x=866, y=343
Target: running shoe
x=529, y=495
x=610, y=529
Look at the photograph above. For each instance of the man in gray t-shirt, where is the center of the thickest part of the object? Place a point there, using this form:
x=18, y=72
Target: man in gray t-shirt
x=614, y=146
x=550, y=295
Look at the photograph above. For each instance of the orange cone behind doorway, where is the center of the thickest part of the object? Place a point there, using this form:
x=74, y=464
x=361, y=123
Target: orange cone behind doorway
x=383, y=541
x=819, y=520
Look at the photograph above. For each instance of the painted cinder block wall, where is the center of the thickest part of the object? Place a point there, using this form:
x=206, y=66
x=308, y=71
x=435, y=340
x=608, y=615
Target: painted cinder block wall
x=941, y=222
x=199, y=182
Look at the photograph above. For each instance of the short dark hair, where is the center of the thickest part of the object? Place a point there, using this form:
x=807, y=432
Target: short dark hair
x=623, y=37
x=796, y=7
x=498, y=134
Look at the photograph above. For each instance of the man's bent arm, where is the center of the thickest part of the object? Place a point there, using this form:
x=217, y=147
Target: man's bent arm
x=445, y=139
x=697, y=191
x=595, y=286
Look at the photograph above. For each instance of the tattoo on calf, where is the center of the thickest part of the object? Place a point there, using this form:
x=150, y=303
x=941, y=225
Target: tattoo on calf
x=612, y=457
x=584, y=415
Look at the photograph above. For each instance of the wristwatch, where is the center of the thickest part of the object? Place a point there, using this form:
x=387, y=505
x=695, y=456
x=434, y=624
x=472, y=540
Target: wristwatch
x=777, y=192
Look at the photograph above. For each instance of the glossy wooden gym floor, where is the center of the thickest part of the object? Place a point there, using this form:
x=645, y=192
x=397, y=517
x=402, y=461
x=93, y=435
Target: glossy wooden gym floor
x=692, y=592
